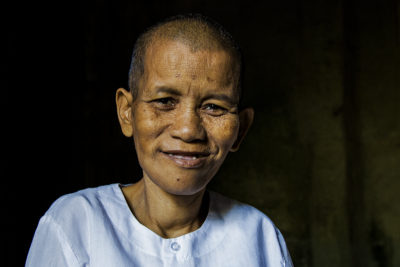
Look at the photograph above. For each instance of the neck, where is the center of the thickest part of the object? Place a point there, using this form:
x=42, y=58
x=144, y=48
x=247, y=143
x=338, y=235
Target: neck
x=165, y=214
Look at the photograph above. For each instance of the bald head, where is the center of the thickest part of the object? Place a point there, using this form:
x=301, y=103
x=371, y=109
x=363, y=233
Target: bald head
x=195, y=31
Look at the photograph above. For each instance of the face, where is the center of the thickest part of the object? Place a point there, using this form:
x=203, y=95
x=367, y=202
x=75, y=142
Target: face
x=185, y=118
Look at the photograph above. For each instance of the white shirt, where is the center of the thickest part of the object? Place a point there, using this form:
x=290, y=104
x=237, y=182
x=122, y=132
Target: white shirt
x=95, y=227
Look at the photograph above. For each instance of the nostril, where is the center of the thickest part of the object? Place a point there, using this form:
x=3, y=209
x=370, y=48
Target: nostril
x=188, y=132
x=189, y=135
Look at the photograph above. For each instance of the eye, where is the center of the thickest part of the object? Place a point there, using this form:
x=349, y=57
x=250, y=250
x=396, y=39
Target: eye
x=214, y=109
x=164, y=103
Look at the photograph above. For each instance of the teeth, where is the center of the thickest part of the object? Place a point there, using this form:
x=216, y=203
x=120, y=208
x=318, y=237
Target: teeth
x=181, y=156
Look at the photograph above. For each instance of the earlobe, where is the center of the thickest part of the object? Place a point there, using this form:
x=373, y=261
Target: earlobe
x=124, y=101
x=246, y=117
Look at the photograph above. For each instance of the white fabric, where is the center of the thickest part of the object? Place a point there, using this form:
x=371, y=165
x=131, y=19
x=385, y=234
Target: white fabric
x=95, y=227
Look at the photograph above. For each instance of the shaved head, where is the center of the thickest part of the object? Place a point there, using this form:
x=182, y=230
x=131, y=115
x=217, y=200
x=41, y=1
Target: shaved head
x=196, y=31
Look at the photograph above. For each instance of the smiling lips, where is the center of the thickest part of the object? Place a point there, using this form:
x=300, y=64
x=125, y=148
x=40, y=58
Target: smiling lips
x=186, y=159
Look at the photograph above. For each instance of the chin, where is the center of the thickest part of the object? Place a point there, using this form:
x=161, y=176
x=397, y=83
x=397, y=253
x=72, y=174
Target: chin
x=180, y=187
x=178, y=181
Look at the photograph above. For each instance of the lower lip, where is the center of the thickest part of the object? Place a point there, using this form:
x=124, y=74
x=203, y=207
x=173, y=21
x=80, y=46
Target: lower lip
x=186, y=162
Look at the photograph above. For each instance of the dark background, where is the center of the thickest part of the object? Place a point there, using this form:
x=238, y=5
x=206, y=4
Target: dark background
x=322, y=158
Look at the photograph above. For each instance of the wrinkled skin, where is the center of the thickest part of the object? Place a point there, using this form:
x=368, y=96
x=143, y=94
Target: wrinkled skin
x=184, y=121
x=185, y=118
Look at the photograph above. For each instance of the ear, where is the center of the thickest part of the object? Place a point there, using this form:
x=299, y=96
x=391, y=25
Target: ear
x=246, y=117
x=124, y=101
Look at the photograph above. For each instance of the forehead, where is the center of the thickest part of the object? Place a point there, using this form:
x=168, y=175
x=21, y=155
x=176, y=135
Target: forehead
x=166, y=59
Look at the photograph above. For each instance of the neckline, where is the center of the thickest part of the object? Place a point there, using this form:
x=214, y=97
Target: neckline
x=211, y=214
x=192, y=245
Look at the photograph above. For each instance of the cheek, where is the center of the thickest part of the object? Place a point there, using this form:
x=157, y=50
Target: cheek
x=147, y=122
x=147, y=126
x=223, y=130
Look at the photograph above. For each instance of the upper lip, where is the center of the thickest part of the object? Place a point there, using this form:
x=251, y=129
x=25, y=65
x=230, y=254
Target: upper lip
x=187, y=153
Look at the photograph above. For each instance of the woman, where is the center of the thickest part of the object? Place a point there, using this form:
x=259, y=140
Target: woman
x=184, y=116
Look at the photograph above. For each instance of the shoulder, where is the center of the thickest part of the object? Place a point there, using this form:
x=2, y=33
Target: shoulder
x=80, y=204
x=251, y=226
x=236, y=212
x=63, y=233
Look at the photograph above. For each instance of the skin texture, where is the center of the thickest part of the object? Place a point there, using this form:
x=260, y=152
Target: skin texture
x=184, y=121
x=196, y=32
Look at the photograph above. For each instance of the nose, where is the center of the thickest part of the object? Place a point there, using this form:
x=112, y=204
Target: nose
x=188, y=126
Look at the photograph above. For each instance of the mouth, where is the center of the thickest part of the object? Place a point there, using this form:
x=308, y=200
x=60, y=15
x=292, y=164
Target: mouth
x=187, y=159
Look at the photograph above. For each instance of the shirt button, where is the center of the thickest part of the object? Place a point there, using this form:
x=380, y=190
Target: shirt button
x=175, y=246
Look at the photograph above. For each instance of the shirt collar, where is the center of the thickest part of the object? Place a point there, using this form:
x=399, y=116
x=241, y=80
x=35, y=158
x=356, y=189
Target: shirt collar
x=193, y=244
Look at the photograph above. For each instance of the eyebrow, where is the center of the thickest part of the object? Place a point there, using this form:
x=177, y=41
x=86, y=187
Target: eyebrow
x=168, y=90
x=222, y=97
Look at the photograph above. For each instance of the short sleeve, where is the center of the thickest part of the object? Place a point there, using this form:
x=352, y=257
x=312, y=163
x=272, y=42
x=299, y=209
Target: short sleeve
x=50, y=246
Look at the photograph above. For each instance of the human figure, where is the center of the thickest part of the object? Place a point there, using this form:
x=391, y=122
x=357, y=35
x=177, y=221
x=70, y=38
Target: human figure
x=184, y=115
